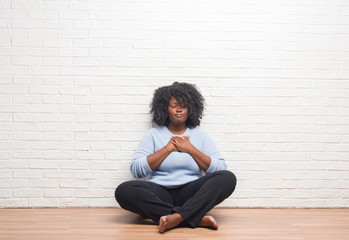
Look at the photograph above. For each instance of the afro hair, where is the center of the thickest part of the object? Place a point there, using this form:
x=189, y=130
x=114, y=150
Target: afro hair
x=186, y=94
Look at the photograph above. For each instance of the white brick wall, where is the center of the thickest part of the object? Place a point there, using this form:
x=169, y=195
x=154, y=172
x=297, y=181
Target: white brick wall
x=76, y=79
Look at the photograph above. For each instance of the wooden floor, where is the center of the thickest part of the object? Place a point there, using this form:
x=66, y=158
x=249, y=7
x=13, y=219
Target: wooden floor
x=115, y=223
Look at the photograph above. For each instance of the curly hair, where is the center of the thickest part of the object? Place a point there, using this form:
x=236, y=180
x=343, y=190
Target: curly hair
x=186, y=94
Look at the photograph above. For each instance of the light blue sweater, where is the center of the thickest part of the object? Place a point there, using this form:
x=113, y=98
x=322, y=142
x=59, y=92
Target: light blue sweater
x=178, y=168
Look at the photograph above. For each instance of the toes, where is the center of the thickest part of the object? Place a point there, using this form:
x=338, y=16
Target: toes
x=162, y=224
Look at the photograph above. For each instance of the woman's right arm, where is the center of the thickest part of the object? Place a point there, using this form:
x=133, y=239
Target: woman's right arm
x=145, y=159
x=155, y=159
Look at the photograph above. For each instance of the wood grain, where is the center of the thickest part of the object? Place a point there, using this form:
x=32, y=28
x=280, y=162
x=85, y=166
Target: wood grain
x=115, y=223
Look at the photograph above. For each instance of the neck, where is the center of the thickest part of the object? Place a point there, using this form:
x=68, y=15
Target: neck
x=177, y=129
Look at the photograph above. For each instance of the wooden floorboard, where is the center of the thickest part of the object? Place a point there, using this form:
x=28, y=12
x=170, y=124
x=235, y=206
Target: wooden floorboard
x=115, y=223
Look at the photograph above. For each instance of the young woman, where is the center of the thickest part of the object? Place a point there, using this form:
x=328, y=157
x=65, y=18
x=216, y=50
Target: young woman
x=184, y=175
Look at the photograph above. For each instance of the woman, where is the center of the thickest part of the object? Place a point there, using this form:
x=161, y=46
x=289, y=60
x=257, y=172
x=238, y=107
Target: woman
x=184, y=173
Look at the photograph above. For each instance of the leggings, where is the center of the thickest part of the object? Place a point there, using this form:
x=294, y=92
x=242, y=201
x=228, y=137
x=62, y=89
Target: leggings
x=192, y=200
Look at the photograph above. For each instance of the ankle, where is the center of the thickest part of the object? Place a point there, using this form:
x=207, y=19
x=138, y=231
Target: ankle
x=169, y=221
x=177, y=217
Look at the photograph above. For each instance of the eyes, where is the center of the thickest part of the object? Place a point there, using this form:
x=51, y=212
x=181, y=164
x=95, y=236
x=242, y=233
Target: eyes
x=176, y=105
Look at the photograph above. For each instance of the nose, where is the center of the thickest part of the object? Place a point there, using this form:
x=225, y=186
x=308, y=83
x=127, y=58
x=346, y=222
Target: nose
x=179, y=109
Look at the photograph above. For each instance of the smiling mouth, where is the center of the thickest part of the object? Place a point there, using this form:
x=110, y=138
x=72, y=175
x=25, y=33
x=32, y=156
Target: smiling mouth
x=178, y=115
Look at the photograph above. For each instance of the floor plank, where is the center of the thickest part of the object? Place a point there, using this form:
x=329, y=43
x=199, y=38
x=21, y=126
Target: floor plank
x=115, y=223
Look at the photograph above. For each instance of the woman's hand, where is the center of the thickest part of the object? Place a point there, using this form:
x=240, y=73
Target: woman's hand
x=182, y=144
x=171, y=147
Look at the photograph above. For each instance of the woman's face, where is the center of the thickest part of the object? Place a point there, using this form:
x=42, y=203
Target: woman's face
x=177, y=113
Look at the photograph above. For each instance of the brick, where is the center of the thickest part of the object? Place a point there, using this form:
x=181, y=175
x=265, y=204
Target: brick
x=78, y=146
x=45, y=90
x=102, y=202
x=76, y=184
x=99, y=109
x=90, y=118
x=105, y=127
x=74, y=71
x=89, y=155
x=58, y=80
x=28, y=136
x=91, y=136
x=58, y=136
x=5, y=193
x=39, y=14
x=58, y=193
x=73, y=15
x=58, y=99
x=26, y=23
x=28, y=117
x=68, y=118
x=42, y=34
x=73, y=52
x=43, y=183
x=58, y=174
x=72, y=34
x=44, y=108
x=87, y=175
x=27, y=174
x=47, y=202
x=28, y=193
x=13, y=183
x=17, y=70
x=5, y=136
x=8, y=163
x=104, y=165
x=57, y=5
x=73, y=90
x=58, y=155
x=24, y=42
x=75, y=202
x=87, y=62
x=57, y=43
x=46, y=52
x=89, y=193
x=74, y=109
x=71, y=164
x=13, y=203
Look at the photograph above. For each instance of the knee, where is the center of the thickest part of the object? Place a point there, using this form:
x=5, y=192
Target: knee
x=121, y=192
x=228, y=179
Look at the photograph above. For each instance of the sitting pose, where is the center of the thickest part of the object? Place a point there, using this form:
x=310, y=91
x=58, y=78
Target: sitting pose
x=183, y=174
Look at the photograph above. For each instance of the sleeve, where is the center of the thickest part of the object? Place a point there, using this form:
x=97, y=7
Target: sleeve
x=139, y=165
x=217, y=161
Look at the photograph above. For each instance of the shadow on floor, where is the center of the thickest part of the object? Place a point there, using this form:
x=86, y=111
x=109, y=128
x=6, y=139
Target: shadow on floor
x=131, y=218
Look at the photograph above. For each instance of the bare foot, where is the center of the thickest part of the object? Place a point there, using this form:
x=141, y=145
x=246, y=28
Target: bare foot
x=169, y=221
x=208, y=222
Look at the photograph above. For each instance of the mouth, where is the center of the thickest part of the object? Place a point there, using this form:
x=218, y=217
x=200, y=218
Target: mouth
x=178, y=115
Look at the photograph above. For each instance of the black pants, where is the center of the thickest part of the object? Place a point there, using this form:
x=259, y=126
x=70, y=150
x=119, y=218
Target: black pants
x=192, y=201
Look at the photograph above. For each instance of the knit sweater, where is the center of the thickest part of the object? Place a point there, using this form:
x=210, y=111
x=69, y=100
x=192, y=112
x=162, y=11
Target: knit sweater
x=178, y=168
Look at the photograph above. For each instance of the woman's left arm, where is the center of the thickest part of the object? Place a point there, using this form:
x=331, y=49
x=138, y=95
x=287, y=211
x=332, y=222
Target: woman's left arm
x=184, y=145
x=208, y=163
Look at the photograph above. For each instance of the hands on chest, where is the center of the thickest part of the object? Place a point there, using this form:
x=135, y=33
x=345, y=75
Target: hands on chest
x=180, y=144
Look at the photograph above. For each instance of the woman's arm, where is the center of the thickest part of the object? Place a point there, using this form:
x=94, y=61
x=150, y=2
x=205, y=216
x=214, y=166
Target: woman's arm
x=155, y=159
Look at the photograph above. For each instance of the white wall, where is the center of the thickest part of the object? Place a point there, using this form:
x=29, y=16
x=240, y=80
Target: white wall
x=76, y=79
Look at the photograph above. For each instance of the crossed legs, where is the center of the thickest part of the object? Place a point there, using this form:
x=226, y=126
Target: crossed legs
x=186, y=205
